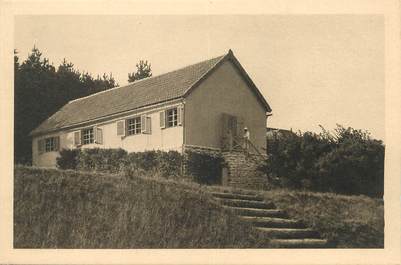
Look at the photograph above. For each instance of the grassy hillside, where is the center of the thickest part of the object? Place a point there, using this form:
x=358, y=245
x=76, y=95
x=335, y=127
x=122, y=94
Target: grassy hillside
x=348, y=221
x=66, y=209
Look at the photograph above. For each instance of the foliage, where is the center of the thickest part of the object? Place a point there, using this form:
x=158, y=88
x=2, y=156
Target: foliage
x=204, y=167
x=170, y=163
x=102, y=160
x=346, y=221
x=345, y=161
x=143, y=70
x=166, y=164
x=69, y=209
x=68, y=159
x=40, y=90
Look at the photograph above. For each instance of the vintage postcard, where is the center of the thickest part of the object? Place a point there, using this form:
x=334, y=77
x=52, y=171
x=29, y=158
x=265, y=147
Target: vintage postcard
x=200, y=132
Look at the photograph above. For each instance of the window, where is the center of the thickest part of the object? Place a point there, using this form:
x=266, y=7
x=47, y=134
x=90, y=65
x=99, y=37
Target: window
x=172, y=117
x=49, y=144
x=134, y=126
x=87, y=136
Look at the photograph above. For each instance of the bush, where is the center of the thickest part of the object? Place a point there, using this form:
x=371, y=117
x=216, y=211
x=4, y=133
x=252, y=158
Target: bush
x=102, y=160
x=68, y=159
x=166, y=164
x=170, y=163
x=356, y=166
x=346, y=161
x=204, y=167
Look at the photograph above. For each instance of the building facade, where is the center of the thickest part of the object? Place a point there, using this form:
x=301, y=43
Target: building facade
x=204, y=105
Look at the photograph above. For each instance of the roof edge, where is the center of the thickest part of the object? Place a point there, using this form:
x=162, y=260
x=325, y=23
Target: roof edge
x=230, y=56
x=207, y=74
x=102, y=118
x=137, y=81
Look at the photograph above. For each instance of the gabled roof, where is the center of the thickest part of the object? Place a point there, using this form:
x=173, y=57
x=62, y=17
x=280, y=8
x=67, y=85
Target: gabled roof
x=145, y=92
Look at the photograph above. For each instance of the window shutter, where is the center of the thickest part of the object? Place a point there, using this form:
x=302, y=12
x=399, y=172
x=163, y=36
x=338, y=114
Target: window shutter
x=180, y=113
x=121, y=128
x=143, y=124
x=57, y=143
x=41, y=145
x=77, y=138
x=99, y=136
x=94, y=134
x=163, y=119
x=148, y=125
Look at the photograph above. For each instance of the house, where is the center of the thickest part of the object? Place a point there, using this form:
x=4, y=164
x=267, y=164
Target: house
x=205, y=105
x=271, y=132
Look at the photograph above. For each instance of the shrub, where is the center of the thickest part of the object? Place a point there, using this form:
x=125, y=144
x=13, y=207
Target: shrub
x=204, y=167
x=345, y=161
x=102, y=160
x=166, y=164
x=68, y=159
x=355, y=166
x=143, y=160
x=170, y=163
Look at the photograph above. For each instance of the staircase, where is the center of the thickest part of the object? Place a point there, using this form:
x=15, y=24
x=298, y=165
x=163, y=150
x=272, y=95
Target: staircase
x=274, y=223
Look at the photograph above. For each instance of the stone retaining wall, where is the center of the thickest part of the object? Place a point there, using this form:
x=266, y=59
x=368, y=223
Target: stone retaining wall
x=242, y=170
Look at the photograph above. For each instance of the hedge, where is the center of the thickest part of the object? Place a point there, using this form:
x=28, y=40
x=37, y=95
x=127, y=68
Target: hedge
x=346, y=161
x=205, y=167
x=200, y=166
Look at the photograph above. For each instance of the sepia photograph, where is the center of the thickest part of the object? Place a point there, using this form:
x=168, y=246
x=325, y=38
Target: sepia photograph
x=199, y=131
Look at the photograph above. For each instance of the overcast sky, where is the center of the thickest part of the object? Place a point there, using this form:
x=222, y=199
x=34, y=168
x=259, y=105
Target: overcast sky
x=312, y=69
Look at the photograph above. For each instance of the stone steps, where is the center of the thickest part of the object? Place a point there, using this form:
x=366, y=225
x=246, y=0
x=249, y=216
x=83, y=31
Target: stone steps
x=246, y=203
x=288, y=233
x=273, y=222
x=239, y=196
x=282, y=231
x=257, y=212
x=300, y=243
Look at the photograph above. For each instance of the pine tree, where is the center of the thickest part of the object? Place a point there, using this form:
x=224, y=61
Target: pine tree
x=40, y=90
x=143, y=70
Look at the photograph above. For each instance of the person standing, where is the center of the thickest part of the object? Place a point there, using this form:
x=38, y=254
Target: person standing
x=247, y=137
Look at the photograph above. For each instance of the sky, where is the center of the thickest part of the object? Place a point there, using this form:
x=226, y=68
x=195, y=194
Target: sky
x=312, y=69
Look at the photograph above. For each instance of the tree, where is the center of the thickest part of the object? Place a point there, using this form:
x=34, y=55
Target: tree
x=143, y=70
x=345, y=161
x=40, y=90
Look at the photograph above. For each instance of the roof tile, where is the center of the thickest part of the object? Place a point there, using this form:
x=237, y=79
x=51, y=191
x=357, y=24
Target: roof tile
x=141, y=93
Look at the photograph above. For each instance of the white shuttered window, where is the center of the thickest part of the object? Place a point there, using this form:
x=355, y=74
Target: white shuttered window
x=172, y=117
x=134, y=126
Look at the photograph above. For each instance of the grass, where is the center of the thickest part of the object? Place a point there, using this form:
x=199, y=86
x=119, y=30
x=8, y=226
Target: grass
x=68, y=209
x=347, y=221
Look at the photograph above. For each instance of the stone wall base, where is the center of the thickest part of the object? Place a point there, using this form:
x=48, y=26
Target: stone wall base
x=242, y=170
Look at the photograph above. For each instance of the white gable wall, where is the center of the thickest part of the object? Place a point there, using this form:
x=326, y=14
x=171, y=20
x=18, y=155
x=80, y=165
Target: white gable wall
x=160, y=139
x=224, y=91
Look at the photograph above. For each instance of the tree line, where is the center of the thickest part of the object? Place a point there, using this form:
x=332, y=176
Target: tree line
x=345, y=160
x=40, y=89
